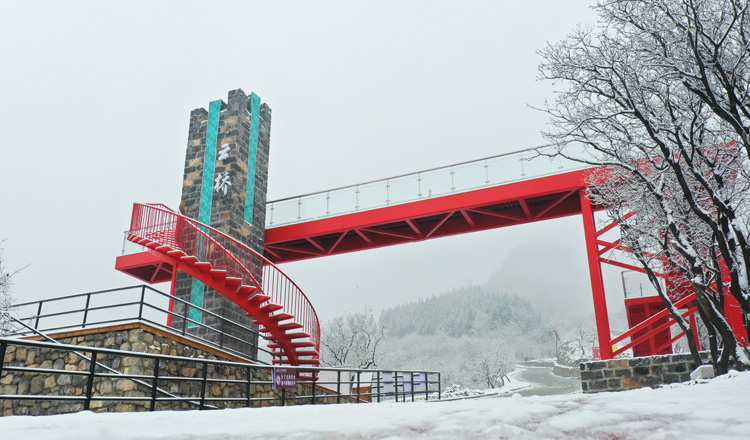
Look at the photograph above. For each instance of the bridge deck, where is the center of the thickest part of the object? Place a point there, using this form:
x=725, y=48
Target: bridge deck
x=496, y=206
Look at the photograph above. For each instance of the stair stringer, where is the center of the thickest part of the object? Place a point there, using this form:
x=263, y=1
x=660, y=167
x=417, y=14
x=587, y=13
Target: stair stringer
x=252, y=308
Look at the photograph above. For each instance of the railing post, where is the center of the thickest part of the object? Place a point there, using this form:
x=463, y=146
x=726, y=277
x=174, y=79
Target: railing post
x=283, y=397
x=221, y=333
x=395, y=384
x=358, y=390
x=155, y=384
x=314, y=380
x=440, y=386
x=38, y=315
x=3, y=348
x=247, y=387
x=411, y=379
x=338, y=386
x=379, y=390
x=90, y=384
x=203, y=386
x=185, y=315
x=143, y=298
x=86, y=310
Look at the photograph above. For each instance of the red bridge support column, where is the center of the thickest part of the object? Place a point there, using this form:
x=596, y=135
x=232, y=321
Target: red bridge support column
x=597, y=282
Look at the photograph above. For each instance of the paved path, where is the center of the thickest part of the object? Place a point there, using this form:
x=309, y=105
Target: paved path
x=544, y=383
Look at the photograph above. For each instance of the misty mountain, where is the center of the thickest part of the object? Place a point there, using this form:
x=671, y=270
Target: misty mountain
x=471, y=312
x=451, y=331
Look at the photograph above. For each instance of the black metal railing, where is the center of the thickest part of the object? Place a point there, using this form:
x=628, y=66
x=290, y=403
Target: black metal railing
x=104, y=378
x=139, y=303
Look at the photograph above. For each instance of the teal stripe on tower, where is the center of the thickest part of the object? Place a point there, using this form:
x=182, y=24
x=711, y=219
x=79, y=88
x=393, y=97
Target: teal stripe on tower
x=207, y=187
x=252, y=156
x=207, y=190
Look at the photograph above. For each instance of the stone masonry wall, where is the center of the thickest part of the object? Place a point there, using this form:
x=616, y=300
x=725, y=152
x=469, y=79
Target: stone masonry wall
x=227, y=208
x=639, y=372
x=137, y=339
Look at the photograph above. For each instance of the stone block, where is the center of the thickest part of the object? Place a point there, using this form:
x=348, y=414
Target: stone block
x=641, y=371
x=49, y=382
x=134, y=335
x=614, y=384
x=139, y=346
x=37, y=385
x=125, y=385
x=23, y=385
x=702, y=372
x=129, y=361
x=618, y=363
x=106, y=387
x=677, y=368
x=629, y=383
x=623, y=372
x=639, y=361
x=680, y=358
x=598, y=365
x=671, y=378
x=591, y=375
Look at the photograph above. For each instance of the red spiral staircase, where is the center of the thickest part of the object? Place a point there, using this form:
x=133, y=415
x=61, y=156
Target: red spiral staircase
x=279, y=307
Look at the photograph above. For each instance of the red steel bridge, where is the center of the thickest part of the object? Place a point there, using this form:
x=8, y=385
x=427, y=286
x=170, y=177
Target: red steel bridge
x=494, y=192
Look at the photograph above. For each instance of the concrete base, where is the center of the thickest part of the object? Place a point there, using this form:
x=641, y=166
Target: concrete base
x=703, y=372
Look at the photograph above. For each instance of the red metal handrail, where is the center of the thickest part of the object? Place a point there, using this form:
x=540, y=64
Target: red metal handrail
x=179, y=232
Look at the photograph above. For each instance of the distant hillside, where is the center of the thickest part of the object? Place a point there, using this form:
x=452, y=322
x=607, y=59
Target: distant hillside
x=450, y=332
x=462, y=312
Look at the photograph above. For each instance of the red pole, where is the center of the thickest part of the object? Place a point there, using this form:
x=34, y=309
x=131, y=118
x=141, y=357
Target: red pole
x=171, y=296
x=597, y=282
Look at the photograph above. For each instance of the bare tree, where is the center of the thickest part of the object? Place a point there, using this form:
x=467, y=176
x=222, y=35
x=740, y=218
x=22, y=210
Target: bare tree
x=659, y=94
x=6, y=289
x=353, y=340
x=488, y=364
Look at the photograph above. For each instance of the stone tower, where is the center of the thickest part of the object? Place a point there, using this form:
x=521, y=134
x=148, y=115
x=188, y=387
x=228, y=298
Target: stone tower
x=224, y=186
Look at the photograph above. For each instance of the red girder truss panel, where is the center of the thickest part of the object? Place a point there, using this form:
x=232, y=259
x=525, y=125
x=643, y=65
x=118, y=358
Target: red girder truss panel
x=487, y=208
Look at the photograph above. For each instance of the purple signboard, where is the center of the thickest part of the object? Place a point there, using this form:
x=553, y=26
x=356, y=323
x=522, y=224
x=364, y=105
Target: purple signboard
x=284, y=378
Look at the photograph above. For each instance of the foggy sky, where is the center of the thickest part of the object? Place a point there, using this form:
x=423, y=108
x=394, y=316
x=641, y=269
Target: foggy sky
x=95, y=104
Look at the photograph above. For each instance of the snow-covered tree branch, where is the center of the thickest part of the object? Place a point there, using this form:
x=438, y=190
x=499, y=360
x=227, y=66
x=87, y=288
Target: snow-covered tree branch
x=658, y=93
x=354, y=340
x=489, y=364
x=6, y=289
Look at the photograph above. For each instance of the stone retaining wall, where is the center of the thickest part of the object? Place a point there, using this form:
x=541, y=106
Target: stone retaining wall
x=141, y=338
x=565, y=371
x=639, y=372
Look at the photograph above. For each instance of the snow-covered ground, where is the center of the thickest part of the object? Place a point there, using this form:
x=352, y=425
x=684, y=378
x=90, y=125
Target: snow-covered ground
x=718, y=409
x=455, y=392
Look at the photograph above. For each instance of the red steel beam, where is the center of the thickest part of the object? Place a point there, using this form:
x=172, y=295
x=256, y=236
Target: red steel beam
x=487, y=208
x=597, y=282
